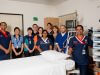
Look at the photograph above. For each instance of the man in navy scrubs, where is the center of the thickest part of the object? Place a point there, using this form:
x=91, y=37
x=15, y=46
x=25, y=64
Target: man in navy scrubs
x=5, y=41
x=78, y=47
x=61, y=39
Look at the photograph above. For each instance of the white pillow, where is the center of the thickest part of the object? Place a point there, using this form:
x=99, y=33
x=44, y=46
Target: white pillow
x=54, y=55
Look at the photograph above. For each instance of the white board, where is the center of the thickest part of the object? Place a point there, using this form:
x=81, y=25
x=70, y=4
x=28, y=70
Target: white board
x=12, y=20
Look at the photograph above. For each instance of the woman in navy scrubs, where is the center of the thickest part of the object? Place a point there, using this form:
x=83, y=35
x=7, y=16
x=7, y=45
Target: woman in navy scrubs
x=17, y=43
x=29, y=43
x=61, y=39
x=78, y=47
x=44, y=43
x=5, y=42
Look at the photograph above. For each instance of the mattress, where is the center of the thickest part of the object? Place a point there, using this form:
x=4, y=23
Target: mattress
x=35, y=65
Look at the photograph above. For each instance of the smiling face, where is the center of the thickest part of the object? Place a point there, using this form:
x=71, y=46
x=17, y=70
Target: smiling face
x=17, y=32
x=62, y=29
x=3, y=26
x=40, y=30
x=29, y=32
x=35, y=28
x=79, y=30
x=55, y=29
x=45, y=33
x=49, y=26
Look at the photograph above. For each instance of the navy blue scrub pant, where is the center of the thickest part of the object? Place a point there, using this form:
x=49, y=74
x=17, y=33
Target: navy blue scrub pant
x=83, y=69
x=4, y=56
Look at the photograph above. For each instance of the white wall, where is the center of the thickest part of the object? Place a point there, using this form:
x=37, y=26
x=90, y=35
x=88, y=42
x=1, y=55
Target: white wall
x=28, y=10
x=88, y=13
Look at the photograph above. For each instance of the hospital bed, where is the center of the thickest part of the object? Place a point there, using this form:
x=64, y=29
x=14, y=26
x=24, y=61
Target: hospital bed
x=35, y=65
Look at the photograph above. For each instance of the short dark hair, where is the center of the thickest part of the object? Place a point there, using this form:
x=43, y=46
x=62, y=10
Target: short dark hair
x=79, y=26
x=40, y=28
x=64, y=26
x=16, y=28
x=35, y=24
x=4, y=23
x=29, y=28
x=49, y=24
x=45, y=31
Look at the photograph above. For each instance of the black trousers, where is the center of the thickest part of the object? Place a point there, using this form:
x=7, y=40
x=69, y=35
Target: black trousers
x=17, y=50
x=34, y=53
x=27, y=54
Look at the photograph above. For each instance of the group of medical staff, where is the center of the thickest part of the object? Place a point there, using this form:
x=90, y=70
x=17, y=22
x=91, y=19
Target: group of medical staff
x=39, y=39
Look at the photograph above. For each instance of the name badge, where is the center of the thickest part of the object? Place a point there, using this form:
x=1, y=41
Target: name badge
x=84, y=51
x=30, y=42
x=17, y=47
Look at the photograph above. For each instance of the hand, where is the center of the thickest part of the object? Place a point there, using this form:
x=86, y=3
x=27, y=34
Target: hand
x=70, y=51
x=16, y=54
x=60, y=50
x=19, y=52
x=7, y=51
x=30, y=51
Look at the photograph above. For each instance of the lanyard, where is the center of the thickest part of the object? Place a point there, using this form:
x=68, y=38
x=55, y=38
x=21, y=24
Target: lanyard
x=29, y=39
x=17, y=40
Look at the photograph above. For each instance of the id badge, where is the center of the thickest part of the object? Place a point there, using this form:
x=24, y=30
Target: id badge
x=17, y=47
x=30, y=42
x=83, y=52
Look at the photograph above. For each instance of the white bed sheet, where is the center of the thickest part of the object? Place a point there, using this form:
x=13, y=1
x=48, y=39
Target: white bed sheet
x=36, y=65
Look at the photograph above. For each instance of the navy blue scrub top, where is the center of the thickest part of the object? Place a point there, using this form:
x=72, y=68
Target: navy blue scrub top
x=4, y=41
x=29, y=41
x=62, y=40
x=44, y=45
x=80, y=49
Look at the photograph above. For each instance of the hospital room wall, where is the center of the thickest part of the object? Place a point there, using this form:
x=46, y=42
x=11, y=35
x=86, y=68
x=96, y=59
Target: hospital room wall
x=29, y=10
x=88, y=11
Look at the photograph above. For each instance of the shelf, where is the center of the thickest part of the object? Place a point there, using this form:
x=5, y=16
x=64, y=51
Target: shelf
x=96, y=46
x=96, y=35
x=96, y=53
x=96, y=41
x=97, y=60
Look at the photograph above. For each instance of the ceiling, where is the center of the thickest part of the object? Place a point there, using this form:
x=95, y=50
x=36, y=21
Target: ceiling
x=50, y=2
x=53, y=2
